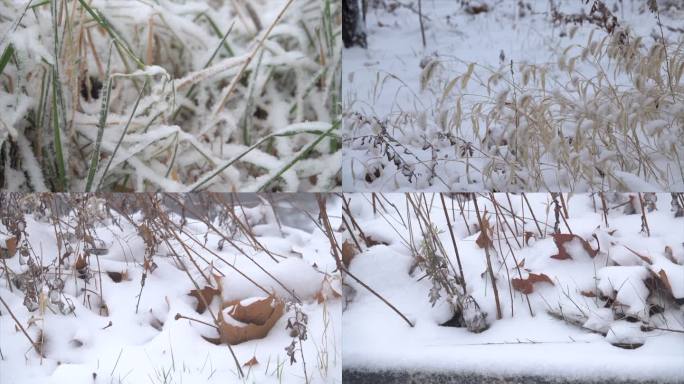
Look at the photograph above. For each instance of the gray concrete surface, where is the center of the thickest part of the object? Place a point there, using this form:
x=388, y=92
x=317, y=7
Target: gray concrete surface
x=362, y=376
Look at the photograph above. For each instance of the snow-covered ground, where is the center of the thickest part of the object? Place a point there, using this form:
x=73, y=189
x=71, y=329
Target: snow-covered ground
x=457, y=115
x=572, y=313
x=148, y=339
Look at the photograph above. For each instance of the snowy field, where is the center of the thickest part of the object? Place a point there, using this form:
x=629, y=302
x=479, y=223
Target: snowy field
x=270, y=301
x=136, y=95
x=581, y=293
x=558, y=95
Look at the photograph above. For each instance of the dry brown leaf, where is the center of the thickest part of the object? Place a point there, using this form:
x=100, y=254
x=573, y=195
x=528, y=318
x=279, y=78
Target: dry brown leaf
x=117, y=277
x=349, y=250
x=256, y=312
x=668, y=253
x=588, y=293
x=252, y=362
x=257, y=319
x=526, y=286
x=484, y=240
x=149, y=265
x=11, y=244
x=562, y=238
x=327, y=291
x=213, y=340
x=529, y=235
x=663, y=277
x=81, y=263
x=146, y=234
x=174, y=174
x=642, y=257
x=208, y=293
x=319, y=296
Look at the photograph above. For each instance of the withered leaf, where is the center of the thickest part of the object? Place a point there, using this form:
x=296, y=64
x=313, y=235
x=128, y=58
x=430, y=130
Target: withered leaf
x=257, y=319
x=256, y=312
x=642, y=257
x=326, y=291
x=149, y=265
x=526, y=286
x=562, y=238
x=588, y=293
x=484, y=240
x=146, y=234
x=349, y=250
x=370, y=242
x=117, y=277
x=11, y=244
x=213, y=340
x=668, y=253
x=663, y=277
x=81, y=263
x=252, y=362
x=207, y=293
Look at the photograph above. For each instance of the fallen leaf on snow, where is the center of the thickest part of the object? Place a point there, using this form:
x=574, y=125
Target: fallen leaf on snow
x=526, y=286
x=252, y=362
x=11, y=246
x=117, y=277
x=81, y=263
x=240, y=321
x=669, y=254
x=327, y=290
x=646, y=259
x=484, y=240
x=562, y=239
x=208, y=293
x=349, y=250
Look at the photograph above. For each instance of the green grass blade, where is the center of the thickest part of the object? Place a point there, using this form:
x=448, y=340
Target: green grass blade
x=206, y=65
x=6, y=56
x=58, y=109
x=232, y=161
x=104, y=112
x=217, y=31
x=38, y=4
x=301, y=155
x=128, y=123
x=120, y=42
x=247, y=116
x=56, y=130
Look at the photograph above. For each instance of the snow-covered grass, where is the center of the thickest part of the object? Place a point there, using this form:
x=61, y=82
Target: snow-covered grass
x=527, y=96
x=169, y=95
x=575, y=286
x=104, y=289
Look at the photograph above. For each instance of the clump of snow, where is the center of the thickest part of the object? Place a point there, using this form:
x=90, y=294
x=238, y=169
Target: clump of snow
x=625, y=333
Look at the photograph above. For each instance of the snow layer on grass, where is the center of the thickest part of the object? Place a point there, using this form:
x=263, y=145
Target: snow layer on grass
x=510, y=99
x=151, y=345
x=599, y=293
x=207, y=100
